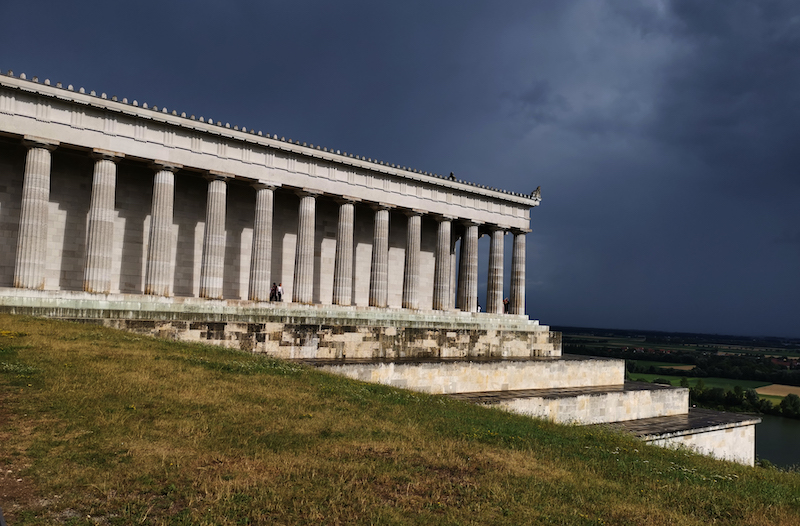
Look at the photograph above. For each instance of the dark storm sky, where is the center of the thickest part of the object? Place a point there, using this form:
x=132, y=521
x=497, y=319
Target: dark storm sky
x=665, y=134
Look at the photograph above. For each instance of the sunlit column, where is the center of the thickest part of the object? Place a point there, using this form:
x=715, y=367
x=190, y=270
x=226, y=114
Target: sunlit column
x=159, y=272
x=517, y=299
x=343, y=263
x=29, y=267
x=379, y=271
x=303, y=286
x=441, y=274
x=100, y=235
x=261, y=256
x=494, y=286
x=212, y=269
x=411, y=268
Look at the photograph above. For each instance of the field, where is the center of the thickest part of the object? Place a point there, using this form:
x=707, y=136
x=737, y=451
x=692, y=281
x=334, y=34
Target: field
x=778, y=390
x=665, y=365
x=710, y=383
x=103, y=427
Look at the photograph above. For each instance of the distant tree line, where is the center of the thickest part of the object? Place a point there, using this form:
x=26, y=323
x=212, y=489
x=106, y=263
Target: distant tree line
x=740, y=400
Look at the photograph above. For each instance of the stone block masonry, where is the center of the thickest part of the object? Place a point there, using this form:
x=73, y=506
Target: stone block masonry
x=298, y=331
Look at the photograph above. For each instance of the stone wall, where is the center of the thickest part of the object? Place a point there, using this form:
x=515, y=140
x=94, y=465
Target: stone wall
x=596, y=408
x=290, y=330
x=480, y=376
x=736, y=443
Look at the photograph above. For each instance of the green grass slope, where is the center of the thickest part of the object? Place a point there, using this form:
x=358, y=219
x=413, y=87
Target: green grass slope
x=104, y=427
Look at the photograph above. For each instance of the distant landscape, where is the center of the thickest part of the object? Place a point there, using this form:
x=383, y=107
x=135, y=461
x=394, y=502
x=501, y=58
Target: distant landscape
x=732, y=373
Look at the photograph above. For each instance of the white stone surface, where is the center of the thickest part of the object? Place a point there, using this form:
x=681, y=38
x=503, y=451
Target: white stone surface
x=100, y=235
x=602, y=408
x=465, y=377
x=735, y=443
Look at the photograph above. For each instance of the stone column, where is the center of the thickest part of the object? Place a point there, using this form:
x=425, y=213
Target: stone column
x=29, y=267
x=100, y=235
x=261, y=256
x=517, y=298
x=379, y=272
x=494, y=287
x=411, y=268
x=343, y=264
x=212, y=269
x=451, y=299
x=468, y=269
x=159, y=273
x=441, y=273
x=303, y=286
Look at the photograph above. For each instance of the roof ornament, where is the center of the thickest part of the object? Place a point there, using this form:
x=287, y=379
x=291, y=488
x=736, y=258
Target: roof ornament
x=452, y=176
x=537, y=194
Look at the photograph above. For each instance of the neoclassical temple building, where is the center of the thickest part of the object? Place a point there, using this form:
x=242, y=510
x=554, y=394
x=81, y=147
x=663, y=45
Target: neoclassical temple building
x=139, y=217
x=116, y=199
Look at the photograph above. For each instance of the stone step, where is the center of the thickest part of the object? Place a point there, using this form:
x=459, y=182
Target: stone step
x=469, y=375
x=588, y=405
x=727, y=436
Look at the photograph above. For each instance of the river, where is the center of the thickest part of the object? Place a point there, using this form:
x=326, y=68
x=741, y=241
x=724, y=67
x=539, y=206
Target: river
x=778, y=440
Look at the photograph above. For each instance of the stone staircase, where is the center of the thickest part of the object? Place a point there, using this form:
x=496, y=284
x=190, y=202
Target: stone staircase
x=566, y=389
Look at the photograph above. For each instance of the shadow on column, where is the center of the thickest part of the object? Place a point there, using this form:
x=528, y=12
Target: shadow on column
x=71, y=189
x=326, y=221
x=189, y=215
x=12, y=170
x=134, y=194
x=239, y=214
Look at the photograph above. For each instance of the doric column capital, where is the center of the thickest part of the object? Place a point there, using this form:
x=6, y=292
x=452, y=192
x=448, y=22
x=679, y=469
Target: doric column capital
x=31, y=141
x=213, y=175
x=517, y=231
x=494, y=228
x=159, y=166
x=440, y=217
x=107, y=155
x=470, y=222
x=307, y=192
x=413, y=212
x=346, y=199
x=381, y=206
x=260, y=185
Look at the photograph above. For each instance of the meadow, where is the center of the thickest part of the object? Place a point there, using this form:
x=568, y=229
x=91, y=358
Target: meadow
x=104, y=427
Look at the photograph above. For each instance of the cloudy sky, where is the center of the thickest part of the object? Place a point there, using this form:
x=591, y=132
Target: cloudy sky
x=665, y=134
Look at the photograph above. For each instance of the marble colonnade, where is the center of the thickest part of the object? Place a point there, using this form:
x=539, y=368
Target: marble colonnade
x=31, y=244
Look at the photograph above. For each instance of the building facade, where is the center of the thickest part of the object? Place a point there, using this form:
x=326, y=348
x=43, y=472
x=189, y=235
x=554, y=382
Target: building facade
x=111, y=196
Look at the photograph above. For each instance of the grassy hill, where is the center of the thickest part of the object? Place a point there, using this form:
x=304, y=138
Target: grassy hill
x=104, y=427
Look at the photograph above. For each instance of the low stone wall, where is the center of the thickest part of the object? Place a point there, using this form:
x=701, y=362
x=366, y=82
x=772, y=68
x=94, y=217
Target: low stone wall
x=735, y=442
x=466, y=376
x=604, y=407
x=295, y=331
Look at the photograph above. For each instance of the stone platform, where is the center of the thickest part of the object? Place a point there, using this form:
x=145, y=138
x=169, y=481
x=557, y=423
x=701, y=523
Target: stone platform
x=588, y=405
x=465, y=375
x=292, y=330
x=727, y=436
